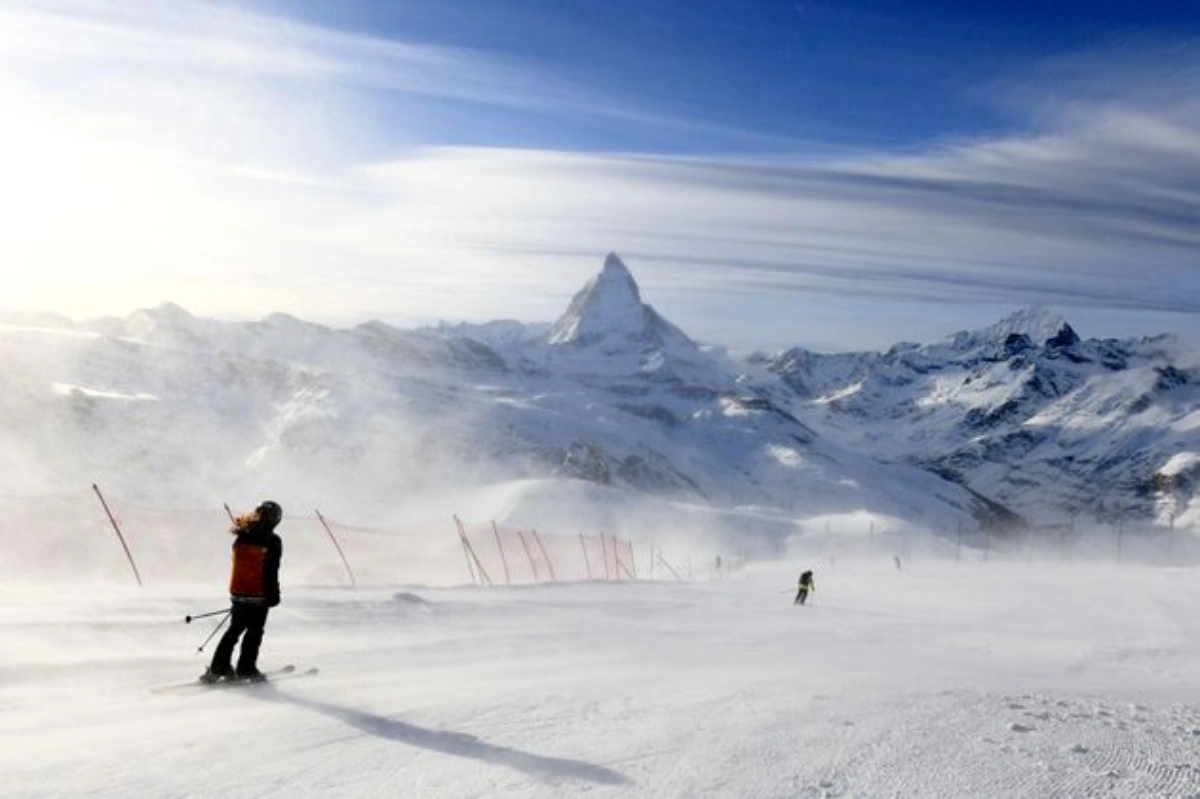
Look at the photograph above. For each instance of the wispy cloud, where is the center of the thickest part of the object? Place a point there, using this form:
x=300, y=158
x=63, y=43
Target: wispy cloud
x=191, y=36
x=1105, y=209
x=1094, y=204
x=1099, y=208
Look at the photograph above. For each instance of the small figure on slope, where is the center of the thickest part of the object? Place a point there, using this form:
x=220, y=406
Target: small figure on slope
x=253, y=589
x=805, y=588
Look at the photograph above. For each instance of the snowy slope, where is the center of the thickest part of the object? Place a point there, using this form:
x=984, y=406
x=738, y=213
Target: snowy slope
x=166, y=408
x=1023, y=411
x=982, y=680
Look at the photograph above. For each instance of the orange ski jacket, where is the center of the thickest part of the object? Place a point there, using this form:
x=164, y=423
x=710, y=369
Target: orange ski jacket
x=255, y=573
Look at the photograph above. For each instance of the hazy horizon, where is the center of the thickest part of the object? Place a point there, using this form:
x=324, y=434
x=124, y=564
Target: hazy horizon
x=1087, y=323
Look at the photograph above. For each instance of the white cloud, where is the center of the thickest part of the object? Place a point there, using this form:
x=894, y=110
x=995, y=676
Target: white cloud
x=1100, y=215
x=195, y=36
x=159, y=160
x=187, y=38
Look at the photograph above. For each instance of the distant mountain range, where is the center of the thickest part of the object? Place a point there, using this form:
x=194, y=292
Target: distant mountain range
x=1021, y=419
x=1024, y=411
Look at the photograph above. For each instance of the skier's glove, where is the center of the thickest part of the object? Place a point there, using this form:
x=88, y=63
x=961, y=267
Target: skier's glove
x=273, y=601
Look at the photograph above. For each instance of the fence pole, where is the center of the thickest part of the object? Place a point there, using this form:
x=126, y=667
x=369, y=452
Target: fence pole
x=620, y=563
x=549, y=563
x=586, y=561
x=466, y=552
x=503, y=560
x=462, y=534
x=117, y=529
x=529, y=555
x=338, y=547
x=1120, y=537
x=670, y=568
x=633, y=559
x=604, y=556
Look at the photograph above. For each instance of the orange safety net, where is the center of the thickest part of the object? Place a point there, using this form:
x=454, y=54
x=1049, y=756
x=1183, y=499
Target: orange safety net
x=69, y=536
x=503, y=555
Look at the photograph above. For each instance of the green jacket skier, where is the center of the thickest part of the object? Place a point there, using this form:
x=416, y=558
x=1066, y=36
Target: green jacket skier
x=805, y=587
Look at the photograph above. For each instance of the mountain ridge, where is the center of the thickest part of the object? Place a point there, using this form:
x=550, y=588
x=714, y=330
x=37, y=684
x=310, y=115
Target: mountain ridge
x=1024, y=411
x=612, y=393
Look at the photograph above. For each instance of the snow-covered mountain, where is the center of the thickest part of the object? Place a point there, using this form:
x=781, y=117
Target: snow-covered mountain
x=165, y=407
x=168, y=408
x=1024, y=411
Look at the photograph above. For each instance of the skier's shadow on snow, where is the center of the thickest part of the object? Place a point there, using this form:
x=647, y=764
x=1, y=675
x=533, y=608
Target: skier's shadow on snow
x=451, y=743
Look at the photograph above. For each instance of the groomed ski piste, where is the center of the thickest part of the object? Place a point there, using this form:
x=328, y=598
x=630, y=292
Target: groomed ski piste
x=944, y=679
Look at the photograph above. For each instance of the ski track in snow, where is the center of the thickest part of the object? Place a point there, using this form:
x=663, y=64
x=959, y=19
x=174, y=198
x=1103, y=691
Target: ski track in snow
x=949, y=680
x=1025, y=745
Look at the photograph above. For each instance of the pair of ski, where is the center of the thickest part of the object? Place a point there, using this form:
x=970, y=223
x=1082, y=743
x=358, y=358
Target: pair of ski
x=287, y=672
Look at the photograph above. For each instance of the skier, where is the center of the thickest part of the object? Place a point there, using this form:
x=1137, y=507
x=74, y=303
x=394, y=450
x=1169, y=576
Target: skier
x=254, y=589
x=805, y=588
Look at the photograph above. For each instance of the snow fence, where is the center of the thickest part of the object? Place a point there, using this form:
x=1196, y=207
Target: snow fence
x=85, y=535
x=500, y=555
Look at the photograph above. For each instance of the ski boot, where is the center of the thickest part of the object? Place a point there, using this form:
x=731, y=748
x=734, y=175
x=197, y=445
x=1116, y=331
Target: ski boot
x=211, y=676
x=251, y=675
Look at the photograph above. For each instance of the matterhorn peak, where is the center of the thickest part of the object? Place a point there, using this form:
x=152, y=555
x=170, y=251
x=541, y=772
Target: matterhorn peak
x=608, y=329
x=616, y=271
x=609, y=304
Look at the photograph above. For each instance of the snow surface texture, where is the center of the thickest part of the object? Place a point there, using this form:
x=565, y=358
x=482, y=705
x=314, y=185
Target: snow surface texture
x=943, y=680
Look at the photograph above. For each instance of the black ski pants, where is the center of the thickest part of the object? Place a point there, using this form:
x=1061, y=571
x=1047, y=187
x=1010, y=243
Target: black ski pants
x=248, y=619
x=801, y=597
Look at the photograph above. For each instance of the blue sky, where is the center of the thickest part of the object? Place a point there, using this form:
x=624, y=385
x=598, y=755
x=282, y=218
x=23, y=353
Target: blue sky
x=762, y=76
x=765, y=76
x=840, y=175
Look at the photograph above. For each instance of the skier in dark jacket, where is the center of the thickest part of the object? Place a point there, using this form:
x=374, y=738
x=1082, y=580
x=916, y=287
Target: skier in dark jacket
x=253, y=589
x=806, y=587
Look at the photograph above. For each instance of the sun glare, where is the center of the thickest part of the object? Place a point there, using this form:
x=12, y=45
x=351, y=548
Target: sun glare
x=85, y=208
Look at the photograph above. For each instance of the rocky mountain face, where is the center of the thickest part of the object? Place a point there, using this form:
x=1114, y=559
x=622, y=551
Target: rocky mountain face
x=1024, y=411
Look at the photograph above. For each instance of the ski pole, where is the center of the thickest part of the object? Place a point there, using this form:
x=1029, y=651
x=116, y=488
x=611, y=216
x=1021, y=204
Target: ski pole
x=188, y=619
x=215, y=630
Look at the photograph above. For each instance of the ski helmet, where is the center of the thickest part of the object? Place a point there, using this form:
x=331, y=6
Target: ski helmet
x=270, y=512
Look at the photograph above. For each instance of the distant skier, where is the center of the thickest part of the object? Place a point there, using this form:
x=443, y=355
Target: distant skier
x=253, y=589
x=806, y=587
